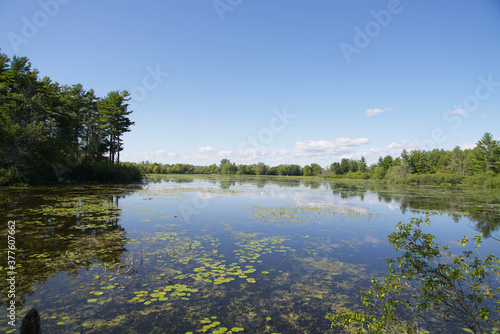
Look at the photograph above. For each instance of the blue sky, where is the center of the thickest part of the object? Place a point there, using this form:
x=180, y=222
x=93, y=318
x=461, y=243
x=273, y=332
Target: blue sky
x=275, y=81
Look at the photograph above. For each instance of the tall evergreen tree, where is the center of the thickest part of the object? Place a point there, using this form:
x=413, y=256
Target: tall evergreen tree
x=458, y=161
x=114, y=121
x=362, y=164
x=344, y=165
x=92, y=136
x=489, y=151
x=23, y=119
x=353, y=165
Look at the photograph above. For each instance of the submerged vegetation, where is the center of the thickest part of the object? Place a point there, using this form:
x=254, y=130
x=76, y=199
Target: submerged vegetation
x=479, y=166
x=302, y=214
x=51, y=133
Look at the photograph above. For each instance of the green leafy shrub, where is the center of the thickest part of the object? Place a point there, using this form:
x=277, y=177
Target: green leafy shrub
x=428, y=279
x=106, y=172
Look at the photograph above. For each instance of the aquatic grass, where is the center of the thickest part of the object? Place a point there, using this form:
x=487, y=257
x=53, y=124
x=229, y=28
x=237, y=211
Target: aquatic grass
x=302, y=214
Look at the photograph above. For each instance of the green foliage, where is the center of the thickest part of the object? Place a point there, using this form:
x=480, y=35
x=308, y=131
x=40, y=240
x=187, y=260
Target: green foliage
x=106, y=172
x=311, y=170
x=261, y=169
x=396, y=174
x=356, y=175
x=428, y=279
x=378, y=173
x=24, y=122
x=307, y=170
x=335, y=168
x=289, y=170
x=362, y=165
x=344, y=165
x=48, y=131
x=228, y=168
x=348, y=166
x=434, y=179
x=77, y=124
x=224, y=161
x=353, y=166
x=492, y=182
x=385, y=163
x=7, y=177
x=316, y=169
x=488, y=150
x=114, y=121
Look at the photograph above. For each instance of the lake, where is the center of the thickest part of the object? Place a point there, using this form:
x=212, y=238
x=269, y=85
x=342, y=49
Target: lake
x=214, y=254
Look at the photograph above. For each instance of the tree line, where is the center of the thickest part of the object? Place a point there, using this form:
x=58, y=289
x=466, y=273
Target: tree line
x=477, y=166
x=51, y=132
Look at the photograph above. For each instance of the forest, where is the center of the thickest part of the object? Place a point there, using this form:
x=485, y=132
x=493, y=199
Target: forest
x=51, y=132
x=479, y=166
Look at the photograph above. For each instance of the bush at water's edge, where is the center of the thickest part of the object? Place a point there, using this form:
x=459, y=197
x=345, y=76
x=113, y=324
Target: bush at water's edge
x=106, y=173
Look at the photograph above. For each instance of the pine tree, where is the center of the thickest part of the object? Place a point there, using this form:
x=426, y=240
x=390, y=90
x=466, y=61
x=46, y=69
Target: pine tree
x=114, y=121
x=362, y=165
x=489, y=151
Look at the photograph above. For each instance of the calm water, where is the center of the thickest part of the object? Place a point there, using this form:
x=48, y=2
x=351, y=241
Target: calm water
x=205, y=254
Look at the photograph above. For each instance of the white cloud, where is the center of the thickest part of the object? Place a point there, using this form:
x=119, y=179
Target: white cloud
x=372, y=112
x=320, y=148
x=468, y=145
x=375, y=111
x=459, y=112
x=157, y=155
x=352, y=142
x=393, y=149
x=314, y=146
x=226, y=153
x=206, y=149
